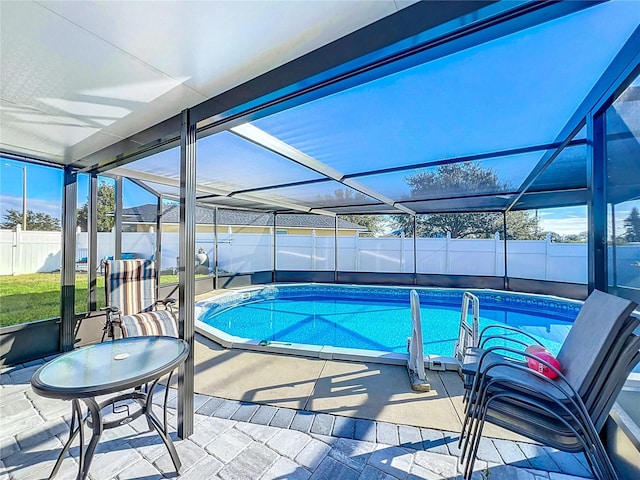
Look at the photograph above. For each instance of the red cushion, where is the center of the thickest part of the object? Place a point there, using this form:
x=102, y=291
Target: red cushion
x=541, y=367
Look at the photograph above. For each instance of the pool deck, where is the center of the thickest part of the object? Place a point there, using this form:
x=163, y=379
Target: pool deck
x=351, y=389
x=262, y=416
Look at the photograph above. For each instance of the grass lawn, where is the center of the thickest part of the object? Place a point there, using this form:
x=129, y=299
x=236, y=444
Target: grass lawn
x=36, y=296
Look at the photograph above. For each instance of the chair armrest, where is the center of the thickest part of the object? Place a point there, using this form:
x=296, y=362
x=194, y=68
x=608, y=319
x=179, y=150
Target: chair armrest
x=506, y=338
x=560, y=383
x=519, y=381
x=110, y=309
x=167, y=303
x=509, y=328
x=113, y=318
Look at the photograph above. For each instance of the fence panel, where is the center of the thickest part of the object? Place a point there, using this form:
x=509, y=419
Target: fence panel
x=432, y=255
x=527, y=259
x=29, y=252
x=245, y=252
x=7, y=254
x=472, y=256
x=567, y=262
x=347, y=258
x=294, y=252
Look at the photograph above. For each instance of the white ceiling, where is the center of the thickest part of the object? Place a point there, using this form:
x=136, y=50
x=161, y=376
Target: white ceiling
x=79, y=76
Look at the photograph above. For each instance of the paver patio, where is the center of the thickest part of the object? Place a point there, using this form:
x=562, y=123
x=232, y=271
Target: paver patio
x=240, y=440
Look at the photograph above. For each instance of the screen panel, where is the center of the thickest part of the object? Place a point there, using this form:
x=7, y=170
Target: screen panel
x=515, y=91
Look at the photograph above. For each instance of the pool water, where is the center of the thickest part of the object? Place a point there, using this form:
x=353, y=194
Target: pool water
x=371, y=319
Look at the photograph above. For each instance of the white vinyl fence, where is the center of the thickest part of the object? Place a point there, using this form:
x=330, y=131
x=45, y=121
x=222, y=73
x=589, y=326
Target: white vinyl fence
x=28, y=252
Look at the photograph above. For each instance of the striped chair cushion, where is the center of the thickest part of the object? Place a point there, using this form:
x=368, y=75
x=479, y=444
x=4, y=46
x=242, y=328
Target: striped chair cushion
x=161, y=322
x=130, y=285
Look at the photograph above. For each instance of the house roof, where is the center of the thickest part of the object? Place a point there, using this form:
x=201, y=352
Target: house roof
x=171, y=214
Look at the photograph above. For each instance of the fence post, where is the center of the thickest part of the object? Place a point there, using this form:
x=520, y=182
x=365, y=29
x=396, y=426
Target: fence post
x=229, y=239
x=313, y=249
x=447, y=265
x=547, y=243
x=402, y=253
x=357, y=253
x=496, y=258
x=16, y=250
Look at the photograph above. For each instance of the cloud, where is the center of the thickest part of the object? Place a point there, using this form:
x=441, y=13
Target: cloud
x=564, y=226
x=10, y=202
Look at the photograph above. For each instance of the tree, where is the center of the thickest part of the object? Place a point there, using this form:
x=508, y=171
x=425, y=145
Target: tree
x=523, y=225
x=106, y=208
x=373, y=223
x=459, y=178
x=632, y=224
x=347, y=196
x=38, y=221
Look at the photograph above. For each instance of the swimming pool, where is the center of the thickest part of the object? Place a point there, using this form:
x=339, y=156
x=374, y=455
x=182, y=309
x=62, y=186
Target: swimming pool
x=336, y=321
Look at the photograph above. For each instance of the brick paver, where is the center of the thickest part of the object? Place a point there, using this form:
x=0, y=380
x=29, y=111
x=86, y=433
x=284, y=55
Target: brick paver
x=244, y=441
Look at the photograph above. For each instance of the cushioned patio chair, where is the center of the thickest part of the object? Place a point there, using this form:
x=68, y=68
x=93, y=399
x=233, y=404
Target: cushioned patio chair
x=566, y=412
x=130, y=288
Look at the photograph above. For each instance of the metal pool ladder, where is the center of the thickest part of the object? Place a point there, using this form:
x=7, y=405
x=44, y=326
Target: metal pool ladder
x=415, y=364
x=468, y=334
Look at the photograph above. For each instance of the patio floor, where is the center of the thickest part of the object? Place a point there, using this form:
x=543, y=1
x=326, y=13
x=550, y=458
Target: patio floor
x=263, y=416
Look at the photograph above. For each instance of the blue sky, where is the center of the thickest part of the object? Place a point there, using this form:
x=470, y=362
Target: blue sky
x=44, y=189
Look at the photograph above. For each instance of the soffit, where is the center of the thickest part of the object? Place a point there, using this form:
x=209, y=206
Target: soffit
x=80, y=76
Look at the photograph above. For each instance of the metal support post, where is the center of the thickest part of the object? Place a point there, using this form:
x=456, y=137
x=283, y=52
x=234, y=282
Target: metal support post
x=275, y=251
x=504, y=235
x=68, y=271
x=216, y=280
x=597, y=201
x=186, y=283
x=158, y=252
x=335, y=247
x=118, y=219
x=92, y=232
x=415, y=249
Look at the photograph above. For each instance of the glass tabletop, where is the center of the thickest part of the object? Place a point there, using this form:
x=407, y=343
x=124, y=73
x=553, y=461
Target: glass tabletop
x=109, y=366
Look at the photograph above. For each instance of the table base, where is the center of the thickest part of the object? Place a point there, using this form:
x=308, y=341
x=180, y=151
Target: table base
x=95, y=421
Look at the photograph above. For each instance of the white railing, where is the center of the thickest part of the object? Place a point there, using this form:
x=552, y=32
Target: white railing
x=30, y=252
x=468, y=332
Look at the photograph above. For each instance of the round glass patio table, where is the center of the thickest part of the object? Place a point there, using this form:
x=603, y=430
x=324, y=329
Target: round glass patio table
x=108, y=368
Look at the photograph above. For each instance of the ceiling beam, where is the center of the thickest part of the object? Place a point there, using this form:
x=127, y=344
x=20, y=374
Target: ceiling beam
x=163, y=180
x=265, y=140
x=209, y=191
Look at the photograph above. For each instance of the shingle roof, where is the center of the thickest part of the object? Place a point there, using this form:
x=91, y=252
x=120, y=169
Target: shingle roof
x=171, y=214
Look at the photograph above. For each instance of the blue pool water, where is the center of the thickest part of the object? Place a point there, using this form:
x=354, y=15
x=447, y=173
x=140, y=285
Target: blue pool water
x=378, y=318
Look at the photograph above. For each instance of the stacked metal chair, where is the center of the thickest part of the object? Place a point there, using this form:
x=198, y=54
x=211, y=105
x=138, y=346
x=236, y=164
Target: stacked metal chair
x=567, y=412
x=131, y=301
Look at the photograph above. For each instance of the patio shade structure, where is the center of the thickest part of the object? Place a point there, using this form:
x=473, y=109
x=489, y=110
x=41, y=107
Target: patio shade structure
x=339, y=124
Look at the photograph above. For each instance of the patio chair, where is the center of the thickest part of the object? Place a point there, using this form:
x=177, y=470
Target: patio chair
x=567, y=412
x=563, y=423
x=130, y=288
